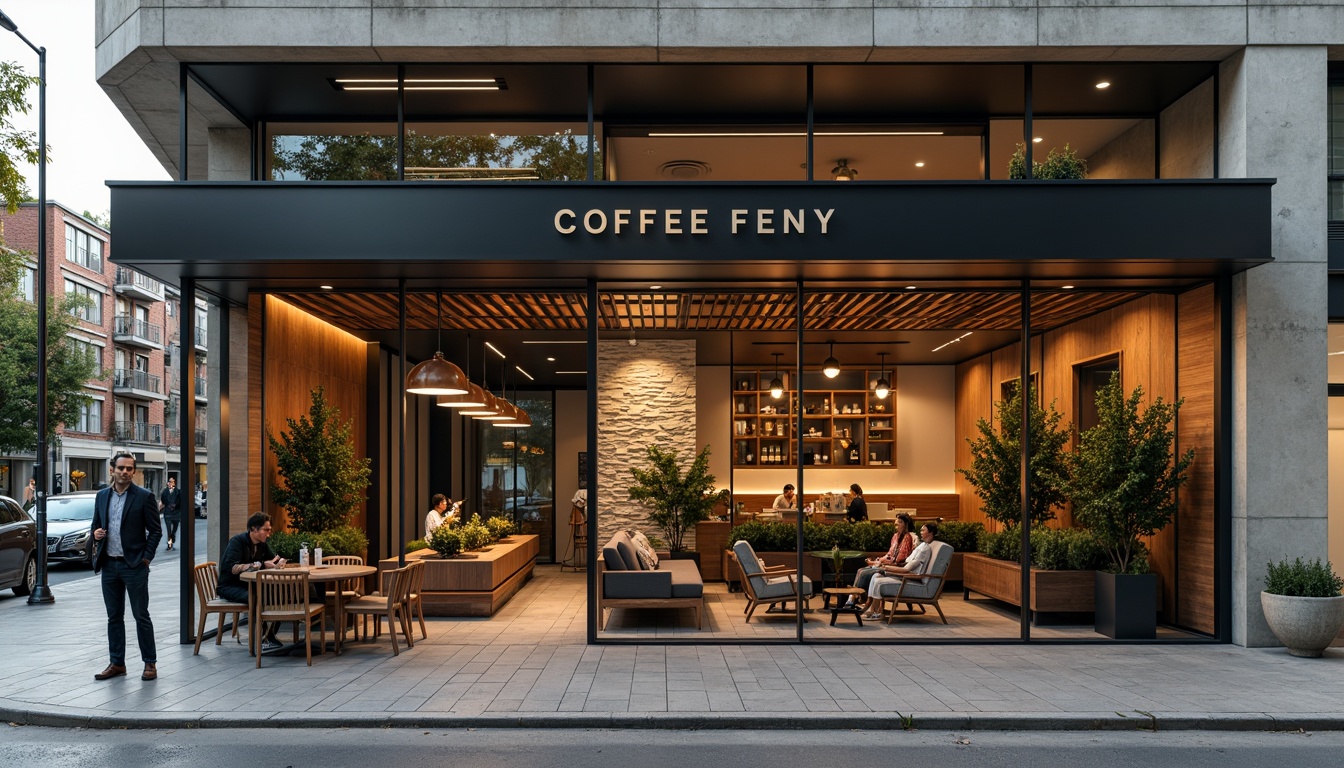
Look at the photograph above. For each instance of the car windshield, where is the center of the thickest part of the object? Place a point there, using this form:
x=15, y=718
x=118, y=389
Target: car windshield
x=70, y=509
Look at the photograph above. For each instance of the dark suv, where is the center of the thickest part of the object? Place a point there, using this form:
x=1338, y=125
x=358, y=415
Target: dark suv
x=18, y=537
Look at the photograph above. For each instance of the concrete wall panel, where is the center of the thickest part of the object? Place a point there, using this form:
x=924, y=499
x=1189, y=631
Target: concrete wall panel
x=492, y=26
x=280, y=27
x=953, y=26
x=1219, y=25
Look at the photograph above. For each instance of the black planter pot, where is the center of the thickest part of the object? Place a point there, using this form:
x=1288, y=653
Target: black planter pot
x=686, y=555
x=1126, y=605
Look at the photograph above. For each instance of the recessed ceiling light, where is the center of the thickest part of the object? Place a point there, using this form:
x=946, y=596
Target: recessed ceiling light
x=910, y=287
x=919, y=165
x=1103, y=85
x=655, y=287
x=550, y=359
x=1037, y=140
x=1067, y=287
x=325, y=287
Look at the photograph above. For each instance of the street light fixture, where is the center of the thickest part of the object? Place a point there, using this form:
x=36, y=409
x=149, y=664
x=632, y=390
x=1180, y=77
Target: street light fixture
x=41, y=592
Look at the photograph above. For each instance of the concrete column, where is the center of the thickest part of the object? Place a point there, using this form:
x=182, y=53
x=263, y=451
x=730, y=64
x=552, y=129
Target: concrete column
x=1272, y=117
x=234, y=486
x=230, y=154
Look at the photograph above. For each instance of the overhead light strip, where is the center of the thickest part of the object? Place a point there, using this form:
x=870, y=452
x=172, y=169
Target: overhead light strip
x=419, y=84
x=785, y=134
x=495, y=349
x=555, y=342
x=954, y=341
x=581, y=373
x=519, y=369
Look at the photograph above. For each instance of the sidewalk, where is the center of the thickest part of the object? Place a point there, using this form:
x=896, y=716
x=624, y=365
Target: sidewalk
x=529, y=667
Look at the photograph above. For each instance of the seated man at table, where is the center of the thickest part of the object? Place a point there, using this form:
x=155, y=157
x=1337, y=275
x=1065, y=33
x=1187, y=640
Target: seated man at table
x=245, y=552
x=787, y=499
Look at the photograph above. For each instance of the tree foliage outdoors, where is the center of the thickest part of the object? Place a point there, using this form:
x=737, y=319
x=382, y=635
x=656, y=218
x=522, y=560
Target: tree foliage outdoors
x=366, y=157
x=16, y=146
x=678, y=500
x=1123, y=477
x=996, y=464
x=68, y=366
x=321, y=482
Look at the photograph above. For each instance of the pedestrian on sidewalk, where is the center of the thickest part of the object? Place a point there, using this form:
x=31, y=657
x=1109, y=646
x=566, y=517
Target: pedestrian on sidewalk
x=170, y=504
x=126, y=531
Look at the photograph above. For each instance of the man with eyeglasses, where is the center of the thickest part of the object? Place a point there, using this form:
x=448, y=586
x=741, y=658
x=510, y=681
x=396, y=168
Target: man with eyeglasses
x=126, y=533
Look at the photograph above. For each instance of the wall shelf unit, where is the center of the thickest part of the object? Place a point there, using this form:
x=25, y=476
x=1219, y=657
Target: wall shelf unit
x=844, y=423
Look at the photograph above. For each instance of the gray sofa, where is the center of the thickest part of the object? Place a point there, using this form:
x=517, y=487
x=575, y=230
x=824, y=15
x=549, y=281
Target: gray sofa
x=623, y=582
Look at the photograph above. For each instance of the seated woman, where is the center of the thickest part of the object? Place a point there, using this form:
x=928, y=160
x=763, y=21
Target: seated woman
x=915, y=565
x=902, y=544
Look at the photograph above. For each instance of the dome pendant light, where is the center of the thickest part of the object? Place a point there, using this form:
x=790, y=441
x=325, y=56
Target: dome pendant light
x=475, y=396
x=832, y=366
x=883, y=387
x=437, y=376
x=489, y=406
x=776, y=384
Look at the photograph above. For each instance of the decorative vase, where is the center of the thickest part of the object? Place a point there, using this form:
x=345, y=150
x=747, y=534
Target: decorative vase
x=1306, y=625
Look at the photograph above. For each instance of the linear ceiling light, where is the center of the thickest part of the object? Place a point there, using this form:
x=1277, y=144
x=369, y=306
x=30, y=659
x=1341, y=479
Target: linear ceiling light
x=525, y=373
x=954, y=341
x=495, y=349
x=786, y=134
x=419, y=84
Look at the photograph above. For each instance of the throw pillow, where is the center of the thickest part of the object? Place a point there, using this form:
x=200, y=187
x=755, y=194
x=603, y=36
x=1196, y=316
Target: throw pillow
x=644, y=548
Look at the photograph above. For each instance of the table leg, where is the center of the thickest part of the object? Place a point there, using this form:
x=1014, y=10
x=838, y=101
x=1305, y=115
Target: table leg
x=340, y=616
x=253, y=640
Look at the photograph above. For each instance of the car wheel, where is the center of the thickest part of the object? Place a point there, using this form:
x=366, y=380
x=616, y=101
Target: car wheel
x=29, y=582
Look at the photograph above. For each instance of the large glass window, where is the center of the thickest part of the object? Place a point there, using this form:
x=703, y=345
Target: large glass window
x=83, y=249
x=91, y=305
x=90, y=417
x=28, y=283
x=1336, y=134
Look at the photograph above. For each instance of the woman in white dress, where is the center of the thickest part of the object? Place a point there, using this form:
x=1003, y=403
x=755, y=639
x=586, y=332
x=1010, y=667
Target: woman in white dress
x=915, y=565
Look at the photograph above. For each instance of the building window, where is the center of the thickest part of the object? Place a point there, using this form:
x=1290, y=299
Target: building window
x=1336, y=180
x=83, y=249
x=1088, y=379
x=28, y=284
x=88, y=350
x=92, y=311
x=90, y=417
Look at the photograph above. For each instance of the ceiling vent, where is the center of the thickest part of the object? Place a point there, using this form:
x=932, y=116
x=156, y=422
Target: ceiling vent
x=684, y=170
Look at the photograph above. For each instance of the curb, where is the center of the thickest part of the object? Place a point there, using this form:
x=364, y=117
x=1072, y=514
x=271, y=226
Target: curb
x=57, y=717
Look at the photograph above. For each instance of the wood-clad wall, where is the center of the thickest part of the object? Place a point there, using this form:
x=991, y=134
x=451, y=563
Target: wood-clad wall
x=298, y=352
x=1194, y=519
x=1143, y=333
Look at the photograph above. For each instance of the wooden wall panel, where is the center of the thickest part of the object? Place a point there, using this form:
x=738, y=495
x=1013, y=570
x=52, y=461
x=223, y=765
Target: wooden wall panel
x=1194, y=518
x=973, y=402
x=255, y=436
x=299, y=352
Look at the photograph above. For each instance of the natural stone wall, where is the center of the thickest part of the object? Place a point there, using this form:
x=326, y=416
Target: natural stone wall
x=645, y=395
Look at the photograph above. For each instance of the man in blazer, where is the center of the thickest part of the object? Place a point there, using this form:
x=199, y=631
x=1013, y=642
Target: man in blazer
x=126, y=533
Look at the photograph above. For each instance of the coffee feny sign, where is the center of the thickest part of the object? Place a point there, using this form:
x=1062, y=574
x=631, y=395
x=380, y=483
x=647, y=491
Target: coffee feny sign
x=693, y=221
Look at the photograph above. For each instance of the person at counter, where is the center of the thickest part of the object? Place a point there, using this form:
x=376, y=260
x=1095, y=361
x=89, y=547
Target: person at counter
x=438, y=514
x=248, y=551
x=787, y=499
x=857, y=511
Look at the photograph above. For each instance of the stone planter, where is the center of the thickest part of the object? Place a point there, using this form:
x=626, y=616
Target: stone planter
x=1306, y=625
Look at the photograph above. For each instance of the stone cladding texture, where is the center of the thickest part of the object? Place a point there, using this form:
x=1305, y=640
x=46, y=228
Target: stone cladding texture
x=646, y=395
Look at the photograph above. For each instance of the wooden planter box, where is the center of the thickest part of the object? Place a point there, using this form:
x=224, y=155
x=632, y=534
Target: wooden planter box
x=1051, y=591
x=474, y=583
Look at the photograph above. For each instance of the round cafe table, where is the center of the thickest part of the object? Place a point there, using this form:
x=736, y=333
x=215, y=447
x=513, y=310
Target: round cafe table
x=317, y=574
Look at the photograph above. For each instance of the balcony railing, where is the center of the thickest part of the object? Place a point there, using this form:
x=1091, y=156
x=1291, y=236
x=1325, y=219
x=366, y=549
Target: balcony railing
x=133, y=330
x=138, y=432
x=133, y=283
x=131, y=378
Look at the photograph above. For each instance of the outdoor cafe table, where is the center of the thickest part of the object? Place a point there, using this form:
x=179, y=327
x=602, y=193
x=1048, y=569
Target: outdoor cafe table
x=317, y=574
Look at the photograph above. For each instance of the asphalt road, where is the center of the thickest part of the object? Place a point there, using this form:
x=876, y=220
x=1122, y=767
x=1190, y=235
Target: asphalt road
x=35, y=747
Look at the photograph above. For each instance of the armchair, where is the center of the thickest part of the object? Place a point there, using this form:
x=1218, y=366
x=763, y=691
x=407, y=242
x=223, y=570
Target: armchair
x=920, y=591
x=769, y=585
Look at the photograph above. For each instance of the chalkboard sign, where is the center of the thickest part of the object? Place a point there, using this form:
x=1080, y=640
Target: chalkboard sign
x=583, y=469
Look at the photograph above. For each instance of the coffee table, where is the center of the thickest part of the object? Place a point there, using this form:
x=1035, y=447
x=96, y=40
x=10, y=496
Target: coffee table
x=840, y=594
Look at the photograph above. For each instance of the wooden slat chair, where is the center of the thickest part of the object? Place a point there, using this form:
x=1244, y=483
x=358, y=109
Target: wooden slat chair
x=390, y=603
x=283, y=596
x=912, y=592
x=206, y=577
x=769, y=584
x=414, y=605
x=351, y=588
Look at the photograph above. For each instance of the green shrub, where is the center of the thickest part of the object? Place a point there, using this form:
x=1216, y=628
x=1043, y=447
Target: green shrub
x=1050, y=549
x=962, y=537
x=343, y=540
x=446, y=541
x=1002, y=545
x=1299, y=579
x=475, y=534
x=500, y=527
x=286, y=544
x=416, y=545
x=1065, y=164
x=818, y=537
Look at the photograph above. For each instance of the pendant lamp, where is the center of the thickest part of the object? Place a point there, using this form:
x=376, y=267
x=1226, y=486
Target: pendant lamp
x=832, y=366
x=776, y=384
x=519, y=418
x=437, y=376
x=500, y=410
x=883, y=387
x=474, y=397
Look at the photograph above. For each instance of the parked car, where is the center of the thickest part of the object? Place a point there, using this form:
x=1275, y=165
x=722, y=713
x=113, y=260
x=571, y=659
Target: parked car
x=199, y=503
x=69, y=516
x=18, y=542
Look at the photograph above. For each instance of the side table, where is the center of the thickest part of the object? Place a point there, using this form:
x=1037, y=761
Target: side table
x=840, y=594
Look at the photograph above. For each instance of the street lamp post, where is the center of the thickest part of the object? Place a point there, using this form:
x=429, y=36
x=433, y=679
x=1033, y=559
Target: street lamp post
x=41, y=592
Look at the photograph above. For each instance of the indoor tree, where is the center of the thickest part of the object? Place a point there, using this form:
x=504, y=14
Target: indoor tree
x=678, y=500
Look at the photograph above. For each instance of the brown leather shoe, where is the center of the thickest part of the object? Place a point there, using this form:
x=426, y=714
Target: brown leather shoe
x=113, y=670
x=151, y=672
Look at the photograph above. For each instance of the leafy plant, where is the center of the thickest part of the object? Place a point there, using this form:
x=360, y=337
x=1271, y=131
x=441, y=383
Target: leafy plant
x=1299, y=579
x=1122, y=479
x=996, y=462
x=415, y=545
x=500, y=527
x=678, y=500
x=446, y=540
x=21, y=147
x=322, y=483
x=1002, y=545
x=475, y=534
x=343, y=540
x=961, y=536
x=1059, y=164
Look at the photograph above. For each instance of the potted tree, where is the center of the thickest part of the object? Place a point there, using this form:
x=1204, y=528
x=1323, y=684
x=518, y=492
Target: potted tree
x=677, y=500
x=320, y=484
x=1122, y=480
x=1059, y=164
x=1303, y=606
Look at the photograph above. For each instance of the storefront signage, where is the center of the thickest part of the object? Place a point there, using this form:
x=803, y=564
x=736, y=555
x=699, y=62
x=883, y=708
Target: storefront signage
x=693, y=221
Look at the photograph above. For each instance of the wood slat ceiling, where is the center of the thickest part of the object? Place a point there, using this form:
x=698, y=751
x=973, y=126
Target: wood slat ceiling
x=706, y=311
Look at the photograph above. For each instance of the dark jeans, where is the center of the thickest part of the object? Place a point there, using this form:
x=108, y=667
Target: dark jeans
x=172, y=523
x=232, y=593
x=121, y=579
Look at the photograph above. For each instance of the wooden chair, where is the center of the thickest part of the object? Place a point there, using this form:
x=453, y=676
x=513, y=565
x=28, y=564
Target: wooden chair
x=349, y=588
x=283, y=596
x=912, y=591
x=390, y=603
x=769, y=584
x=206, y=577
x=414, y=605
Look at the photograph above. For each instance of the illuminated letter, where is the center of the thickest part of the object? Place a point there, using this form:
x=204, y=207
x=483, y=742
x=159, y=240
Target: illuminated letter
x=765, y=221
x=792, y=221
x=646, y=216
x=618, y=217
x=560, y=227
x=823, y=219
x=698, y=221
x=672, y=221
x=588, y=222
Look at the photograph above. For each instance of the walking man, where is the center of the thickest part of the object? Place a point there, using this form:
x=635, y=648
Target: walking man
x=127, y=531
x=170, y=504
